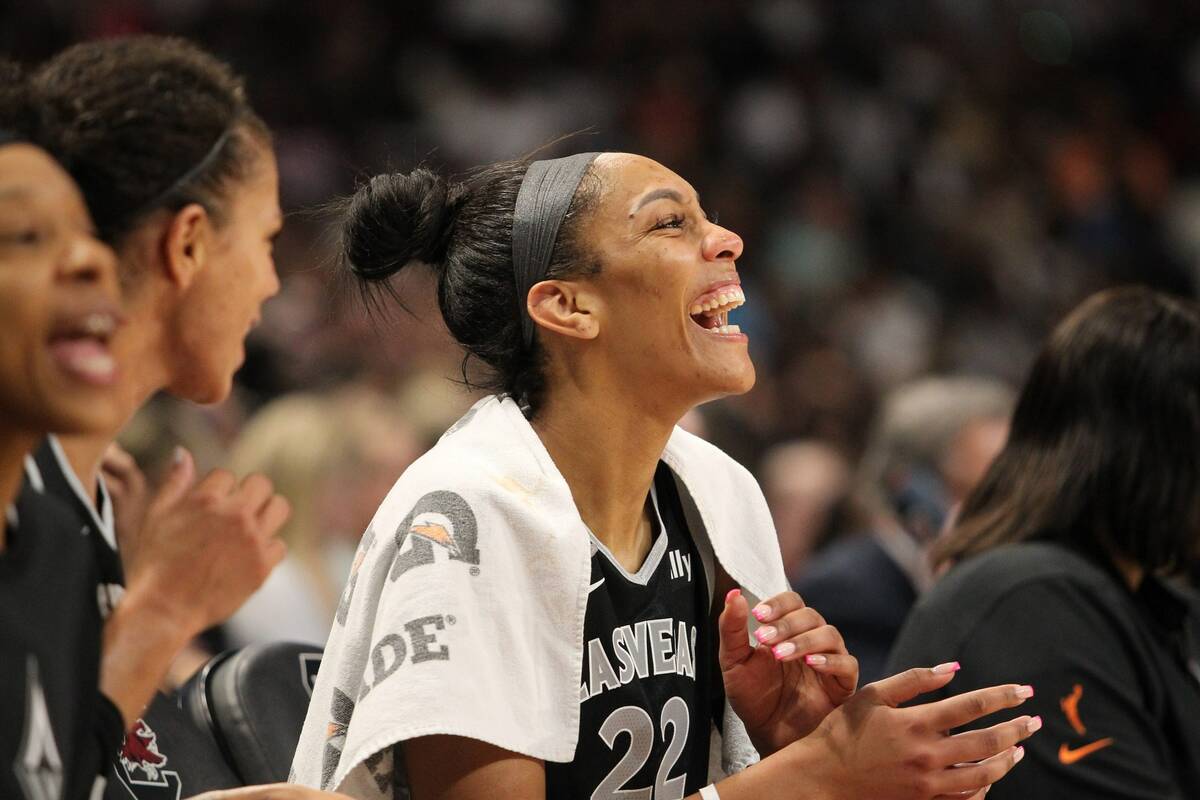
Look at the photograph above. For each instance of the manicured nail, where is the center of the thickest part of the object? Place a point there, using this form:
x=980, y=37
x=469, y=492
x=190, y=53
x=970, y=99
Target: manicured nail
x=765, y=633
x=1034, y=725
x=948, y=667
x=1024, y=692
x=732, y=594
x=815, y=660
x=761, y=612
x=783, y=650
x=1017, y=756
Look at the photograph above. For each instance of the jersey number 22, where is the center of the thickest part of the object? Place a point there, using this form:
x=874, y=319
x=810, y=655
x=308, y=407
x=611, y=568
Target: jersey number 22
x=635, y=722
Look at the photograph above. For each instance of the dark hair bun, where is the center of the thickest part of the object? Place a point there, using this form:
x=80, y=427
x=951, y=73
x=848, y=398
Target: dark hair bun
x=396, y=219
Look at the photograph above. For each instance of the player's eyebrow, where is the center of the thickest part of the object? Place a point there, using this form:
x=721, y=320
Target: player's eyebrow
x=658, y=194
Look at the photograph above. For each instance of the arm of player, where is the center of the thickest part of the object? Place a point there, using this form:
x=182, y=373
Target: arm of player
x=204, y=549
x=867, y=747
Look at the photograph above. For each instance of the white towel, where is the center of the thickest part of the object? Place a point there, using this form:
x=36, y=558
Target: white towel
x=464, y=610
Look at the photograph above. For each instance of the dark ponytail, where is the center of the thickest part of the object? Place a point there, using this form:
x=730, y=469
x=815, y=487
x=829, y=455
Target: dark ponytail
x=463, y=230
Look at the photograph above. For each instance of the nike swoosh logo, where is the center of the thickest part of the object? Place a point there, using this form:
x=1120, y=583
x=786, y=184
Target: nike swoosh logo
x=1068, y=756
x=594, y=586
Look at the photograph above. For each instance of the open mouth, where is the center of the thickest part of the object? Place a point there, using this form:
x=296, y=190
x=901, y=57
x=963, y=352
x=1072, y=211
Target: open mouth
x=80, y=345
x=711, y=309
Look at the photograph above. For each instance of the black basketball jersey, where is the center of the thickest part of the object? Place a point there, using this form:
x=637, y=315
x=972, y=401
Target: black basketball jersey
x=49, y=471
x=650, y=683
x=55, y=726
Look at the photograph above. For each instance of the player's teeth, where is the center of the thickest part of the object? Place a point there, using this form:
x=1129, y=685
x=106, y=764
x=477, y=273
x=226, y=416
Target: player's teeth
x=722, y=298
x=696, y=309
x=97, y=324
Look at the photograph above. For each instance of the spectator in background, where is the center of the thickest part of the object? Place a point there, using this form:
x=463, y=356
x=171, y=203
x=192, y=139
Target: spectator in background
x=933, y=440
x=336, y=456
x=806, y=483
x=1060, y=554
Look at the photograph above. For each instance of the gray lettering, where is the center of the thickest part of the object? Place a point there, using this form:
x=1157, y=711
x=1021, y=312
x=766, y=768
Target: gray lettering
x=660, y=644
x=684, y=657
x=601, y=675
x=619, y=638
x=421, y=640
x=380, y=667
x=639, y=647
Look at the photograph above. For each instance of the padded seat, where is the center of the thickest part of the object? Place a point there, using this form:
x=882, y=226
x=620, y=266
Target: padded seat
x=254, y=701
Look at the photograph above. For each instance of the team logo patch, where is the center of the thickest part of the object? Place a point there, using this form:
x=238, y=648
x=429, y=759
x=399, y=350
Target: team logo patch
x=142, y=765
x=440, y=522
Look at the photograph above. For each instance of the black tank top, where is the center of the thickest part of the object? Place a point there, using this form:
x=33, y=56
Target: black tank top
x=650, y=683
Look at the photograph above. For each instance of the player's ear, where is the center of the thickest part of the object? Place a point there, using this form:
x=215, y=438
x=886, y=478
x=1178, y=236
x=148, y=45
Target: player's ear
x=565, y=307
x=185, y=244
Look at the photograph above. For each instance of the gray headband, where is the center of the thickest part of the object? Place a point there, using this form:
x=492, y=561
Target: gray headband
x=193, y=172
x=542, y=202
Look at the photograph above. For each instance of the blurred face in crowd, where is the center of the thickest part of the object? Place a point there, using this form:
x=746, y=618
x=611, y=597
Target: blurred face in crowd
x=225, y=299
x=667, y=281
x=59, y=301
x=971, y=453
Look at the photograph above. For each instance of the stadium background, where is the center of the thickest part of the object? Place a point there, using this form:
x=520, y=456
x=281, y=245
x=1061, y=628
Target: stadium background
x=922, y=187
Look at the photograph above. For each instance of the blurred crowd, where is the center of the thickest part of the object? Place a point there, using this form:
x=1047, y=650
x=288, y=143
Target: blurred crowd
x=923, y=188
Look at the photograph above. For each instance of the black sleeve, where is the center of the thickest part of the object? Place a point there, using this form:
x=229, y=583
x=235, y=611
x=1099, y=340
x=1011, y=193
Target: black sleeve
x=97, y=752
x=109, y=730
x=1097, y=740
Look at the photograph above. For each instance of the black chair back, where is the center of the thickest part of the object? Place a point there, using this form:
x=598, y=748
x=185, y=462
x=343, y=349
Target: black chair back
x=256, y=701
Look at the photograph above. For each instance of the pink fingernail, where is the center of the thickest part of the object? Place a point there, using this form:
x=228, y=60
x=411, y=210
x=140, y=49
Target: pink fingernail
x=1025, y=692
x=761, y=612
x=949, y=666
x=815, y=660
x=765, y=633
x=1017, y=756
x=783, y=650
x=1034, y=725
x=732, y=594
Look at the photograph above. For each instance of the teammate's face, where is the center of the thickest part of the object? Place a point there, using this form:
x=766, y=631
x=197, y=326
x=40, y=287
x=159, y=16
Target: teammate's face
x=59, y=302
x=225, y=301
x=667, y=281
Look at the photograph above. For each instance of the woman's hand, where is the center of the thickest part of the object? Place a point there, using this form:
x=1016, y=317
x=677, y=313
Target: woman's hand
x=130, y=495
x=870, y=747
x=783, y=688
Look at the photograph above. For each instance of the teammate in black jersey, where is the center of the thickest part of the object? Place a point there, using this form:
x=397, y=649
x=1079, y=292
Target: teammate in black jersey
x=59, y=302
x=597, y=292
x=204, y=547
